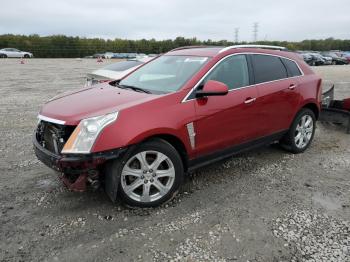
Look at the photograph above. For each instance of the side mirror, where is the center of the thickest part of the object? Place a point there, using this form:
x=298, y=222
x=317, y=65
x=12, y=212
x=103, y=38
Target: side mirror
x=212, y=88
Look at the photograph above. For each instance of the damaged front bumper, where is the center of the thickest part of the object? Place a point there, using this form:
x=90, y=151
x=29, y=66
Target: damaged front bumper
x=78, y=170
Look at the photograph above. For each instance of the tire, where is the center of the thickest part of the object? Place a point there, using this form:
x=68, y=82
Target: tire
x=305, y=132
x=143, y=181
x=3, y=56
x=26, y=56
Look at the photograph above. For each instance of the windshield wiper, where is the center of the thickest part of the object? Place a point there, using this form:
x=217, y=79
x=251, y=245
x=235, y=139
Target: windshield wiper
x=135, y=88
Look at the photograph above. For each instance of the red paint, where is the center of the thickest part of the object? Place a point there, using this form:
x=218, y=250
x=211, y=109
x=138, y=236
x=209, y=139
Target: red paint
x=79, y=185
x=219, y=121
x=346, y=104
x=215, y=87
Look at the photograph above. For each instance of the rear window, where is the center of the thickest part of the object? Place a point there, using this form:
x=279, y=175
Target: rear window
x=292, y=68
x=268, y=68
x=122, y=66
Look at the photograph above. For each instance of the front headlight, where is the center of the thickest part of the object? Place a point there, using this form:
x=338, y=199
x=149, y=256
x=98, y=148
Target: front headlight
x=84, y=135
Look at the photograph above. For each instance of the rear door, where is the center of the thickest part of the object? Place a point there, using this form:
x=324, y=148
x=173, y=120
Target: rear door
x=278, y=92
x=224, y=121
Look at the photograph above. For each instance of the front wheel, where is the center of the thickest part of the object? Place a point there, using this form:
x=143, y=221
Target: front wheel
x=301, y=132
x=150, y=175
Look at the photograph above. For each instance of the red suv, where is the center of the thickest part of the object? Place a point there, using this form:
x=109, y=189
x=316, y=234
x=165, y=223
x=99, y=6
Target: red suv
x=187, y=108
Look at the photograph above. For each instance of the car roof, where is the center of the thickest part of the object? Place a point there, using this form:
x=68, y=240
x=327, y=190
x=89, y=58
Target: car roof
x=212, y=51
x=196, y=51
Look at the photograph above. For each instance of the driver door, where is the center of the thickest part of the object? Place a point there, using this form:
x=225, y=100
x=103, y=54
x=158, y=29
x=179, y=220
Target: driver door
x=225, y=121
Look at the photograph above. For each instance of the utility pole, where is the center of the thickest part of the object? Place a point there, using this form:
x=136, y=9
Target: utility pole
x=236, y=34
x=255, y=31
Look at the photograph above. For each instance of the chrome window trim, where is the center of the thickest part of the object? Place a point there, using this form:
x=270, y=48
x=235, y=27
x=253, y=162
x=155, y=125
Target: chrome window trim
x=245, y=53
x=51, y=120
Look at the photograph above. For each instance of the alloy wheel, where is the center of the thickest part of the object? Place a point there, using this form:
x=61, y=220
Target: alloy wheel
x=303, y=131
x=147, y=176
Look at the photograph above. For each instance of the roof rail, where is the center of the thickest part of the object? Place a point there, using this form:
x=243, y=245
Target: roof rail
x=192, y=46
x=254, y=46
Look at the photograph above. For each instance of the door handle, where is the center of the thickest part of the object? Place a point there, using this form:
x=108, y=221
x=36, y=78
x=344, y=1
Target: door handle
x=249, y=100
x=292, y=87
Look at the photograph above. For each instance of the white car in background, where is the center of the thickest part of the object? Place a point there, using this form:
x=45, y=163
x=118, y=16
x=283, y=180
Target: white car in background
x=108, y=55
x=13, y=52
x=115, y=71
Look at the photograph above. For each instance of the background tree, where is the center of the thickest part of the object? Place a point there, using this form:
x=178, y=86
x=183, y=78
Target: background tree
x=61, y=46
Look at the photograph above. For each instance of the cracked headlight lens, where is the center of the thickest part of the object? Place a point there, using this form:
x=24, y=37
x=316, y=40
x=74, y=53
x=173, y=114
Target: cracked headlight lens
x=84, y=135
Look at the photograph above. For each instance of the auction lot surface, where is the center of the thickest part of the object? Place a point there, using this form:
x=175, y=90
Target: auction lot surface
x=265, y=205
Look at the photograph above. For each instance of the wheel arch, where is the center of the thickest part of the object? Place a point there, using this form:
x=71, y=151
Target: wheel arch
x=176, y=142
x=313, y=107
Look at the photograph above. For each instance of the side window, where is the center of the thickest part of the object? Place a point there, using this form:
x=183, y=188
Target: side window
x=292, y=68
x=233, y=71
x=268, y=68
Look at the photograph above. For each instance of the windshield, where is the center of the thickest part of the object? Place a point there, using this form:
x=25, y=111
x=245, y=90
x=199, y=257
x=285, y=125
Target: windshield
x=165, y=74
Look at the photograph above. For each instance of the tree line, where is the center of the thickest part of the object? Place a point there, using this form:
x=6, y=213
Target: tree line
x=61, y=46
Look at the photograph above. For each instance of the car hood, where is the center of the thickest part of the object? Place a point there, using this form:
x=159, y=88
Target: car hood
x=109, y=74
x=89, y=102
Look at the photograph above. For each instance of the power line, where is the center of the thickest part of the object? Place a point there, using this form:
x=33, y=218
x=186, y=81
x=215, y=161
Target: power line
x=255, y=31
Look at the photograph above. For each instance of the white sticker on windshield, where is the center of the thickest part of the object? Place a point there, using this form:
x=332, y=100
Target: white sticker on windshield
x=196, y=59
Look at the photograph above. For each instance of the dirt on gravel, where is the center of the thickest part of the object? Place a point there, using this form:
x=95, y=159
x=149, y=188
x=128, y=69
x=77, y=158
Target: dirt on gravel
x=264, y=205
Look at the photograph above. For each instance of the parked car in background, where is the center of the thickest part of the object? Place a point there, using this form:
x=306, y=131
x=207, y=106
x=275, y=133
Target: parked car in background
x=346, y=55
x=307, y=58
x=108, y=55
x=98, y=55
x=314, y=58
x=120, y=55
x=140, y=136
x=328, y=60
x=336, y=59
x=115, y=71
x=319, y=59
x=13, y=52
x=127, y=55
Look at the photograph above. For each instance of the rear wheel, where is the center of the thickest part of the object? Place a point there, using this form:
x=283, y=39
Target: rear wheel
x=150, y=175
x=301, y=133
x=3, y=56
x=26, y=56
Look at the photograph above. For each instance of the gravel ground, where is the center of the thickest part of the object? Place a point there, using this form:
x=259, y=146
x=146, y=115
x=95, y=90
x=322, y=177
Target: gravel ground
x=265, y=205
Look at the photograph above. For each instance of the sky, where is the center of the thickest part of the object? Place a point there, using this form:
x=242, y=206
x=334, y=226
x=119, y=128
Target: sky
x=166, y=19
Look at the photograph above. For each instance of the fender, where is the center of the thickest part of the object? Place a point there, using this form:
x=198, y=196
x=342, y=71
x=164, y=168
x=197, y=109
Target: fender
x=305, y=102
x=162, y=132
